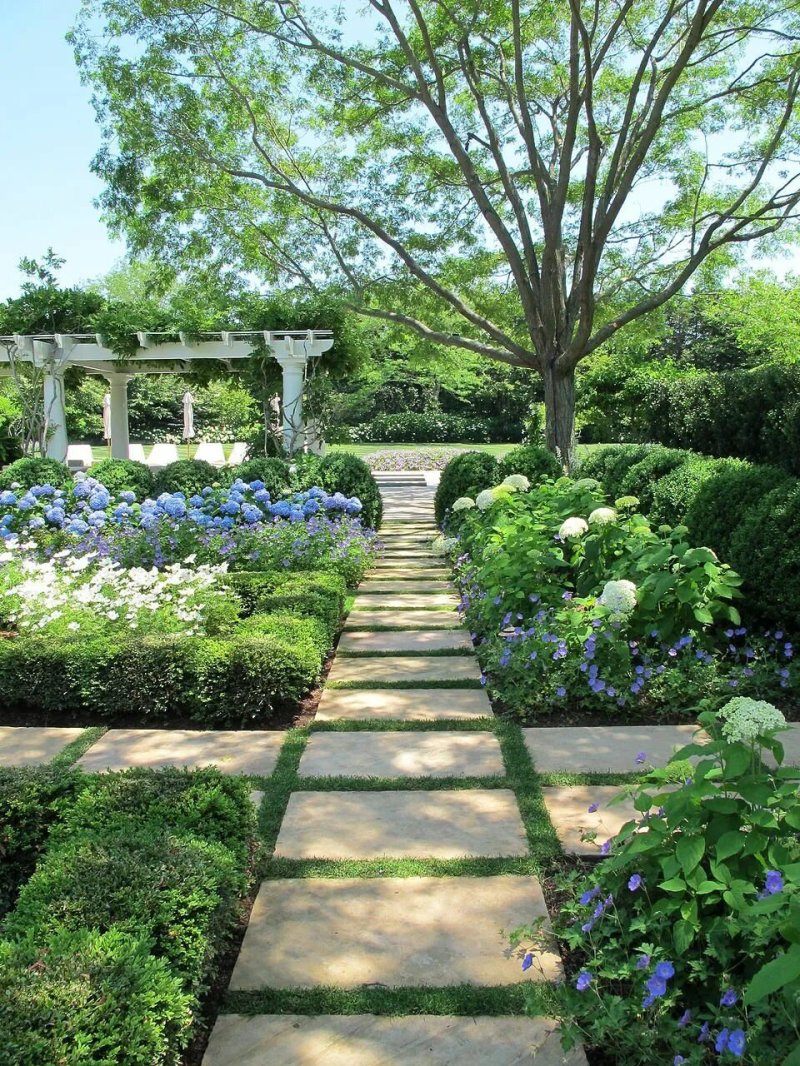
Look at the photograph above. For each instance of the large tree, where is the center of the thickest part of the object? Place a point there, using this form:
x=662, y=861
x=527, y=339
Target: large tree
x=517, y=178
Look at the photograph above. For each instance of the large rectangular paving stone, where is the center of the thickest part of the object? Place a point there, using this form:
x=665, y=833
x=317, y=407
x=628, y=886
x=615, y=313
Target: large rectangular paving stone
x=404, y=669
x=477, y=822
x=403, y=705
x=417, y=562
x=568, y=807
x=405, y=585
x=390, y=931
x=399, y=618
x=370, y=1040
x=402, y=754
x=33, y=745
x=232, y=751
x=396, y=573
x=416, y=640
x=363, y=601
x=607, y=749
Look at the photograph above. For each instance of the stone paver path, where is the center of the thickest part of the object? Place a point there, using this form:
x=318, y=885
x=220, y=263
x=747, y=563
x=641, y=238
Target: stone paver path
x=434, y=754
x=607, y=749
x=33, y=746
x=396, y=669
x=403, y=705
x=355, y=643
x=367, y=1040
x=580, y=830
x=232, y=751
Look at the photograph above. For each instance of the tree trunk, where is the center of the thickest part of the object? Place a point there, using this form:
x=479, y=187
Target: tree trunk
x=559, y=402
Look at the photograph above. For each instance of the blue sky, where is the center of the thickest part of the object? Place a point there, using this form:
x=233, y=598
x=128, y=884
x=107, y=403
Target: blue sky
x=49, y=136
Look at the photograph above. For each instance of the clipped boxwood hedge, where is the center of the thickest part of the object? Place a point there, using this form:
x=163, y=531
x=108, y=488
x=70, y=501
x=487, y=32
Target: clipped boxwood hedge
x=465, y=475
x=532, y=460
x=346, y=473
x=124, y=475
x=117, y=934
x=189, y=476
x=36, y=471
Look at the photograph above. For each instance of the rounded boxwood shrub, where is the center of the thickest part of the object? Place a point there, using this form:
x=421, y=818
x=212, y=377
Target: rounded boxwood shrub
x=124, y=475
x=465, y=475
x=609, y=465
x=765, y=550
x=346, y=473
x=726, y=500
x=188, y=476
x=674, y=494
x=36, y=471
x=273, y=472
x=640, y=478
x=532, y=460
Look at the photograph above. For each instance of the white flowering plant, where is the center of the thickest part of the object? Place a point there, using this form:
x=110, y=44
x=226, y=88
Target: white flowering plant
x=85, y=597
x=684, y=943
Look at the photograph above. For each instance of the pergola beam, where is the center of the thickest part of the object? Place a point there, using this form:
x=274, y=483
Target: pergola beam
x=54, y=352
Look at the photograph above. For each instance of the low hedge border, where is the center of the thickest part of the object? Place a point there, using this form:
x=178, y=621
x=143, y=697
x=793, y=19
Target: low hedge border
x=116, y=936
x=269, y=660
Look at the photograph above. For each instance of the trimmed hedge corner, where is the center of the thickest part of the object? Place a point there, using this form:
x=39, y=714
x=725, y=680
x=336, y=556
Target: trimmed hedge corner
x=118, y=933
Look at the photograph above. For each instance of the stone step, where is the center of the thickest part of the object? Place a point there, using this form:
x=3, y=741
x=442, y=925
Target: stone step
x=233, y=751
x=370, y=1040
x=403, y=754
x=33, y=745
x=400, y=641
x=420, y=601
x=568, y=807
x=401, y=618
x=607, y=749
x=471, y=822
x=377, y=583
x=402, y=670
x=396, y=573
x=403, y=705
x=389, y=931
x=412, y=561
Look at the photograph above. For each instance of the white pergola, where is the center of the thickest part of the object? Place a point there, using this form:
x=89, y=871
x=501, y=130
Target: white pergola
x=53, y=353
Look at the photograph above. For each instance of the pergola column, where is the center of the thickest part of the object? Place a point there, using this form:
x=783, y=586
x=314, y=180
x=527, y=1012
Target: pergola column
x=293, y=368
x=120, y=433
x=55, y=412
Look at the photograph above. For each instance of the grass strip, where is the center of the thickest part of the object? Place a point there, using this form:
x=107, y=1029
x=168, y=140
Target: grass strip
x=77, y=747
x=462, y=1000
x=420, y=628
x=523, y=779
x=565, y=777
x=278, y=787
x=398, y=725
x=397, y=784
x=296, y=869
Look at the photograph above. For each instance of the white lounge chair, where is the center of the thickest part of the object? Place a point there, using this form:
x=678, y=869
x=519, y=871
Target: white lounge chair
x=162, y=455
x=79, y=456
x=136, y=451
x=238, y=453
x=210, y=453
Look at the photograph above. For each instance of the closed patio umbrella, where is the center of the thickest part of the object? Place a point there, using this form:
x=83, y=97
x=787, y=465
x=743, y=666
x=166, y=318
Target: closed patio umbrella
x=107, y=416
x=188, y=416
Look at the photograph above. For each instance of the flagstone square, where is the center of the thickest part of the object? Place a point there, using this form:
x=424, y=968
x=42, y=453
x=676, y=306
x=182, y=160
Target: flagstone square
x=416, y=640
x=419, y=601
x=402, y=754
x=397, y=824
x=568, y=807
x=607, y=749
x=231, y=751
x=371, y=1040
x=419, y=704
x=426, y=931
x=33, y=745
x=403, y=618
x=404, y=669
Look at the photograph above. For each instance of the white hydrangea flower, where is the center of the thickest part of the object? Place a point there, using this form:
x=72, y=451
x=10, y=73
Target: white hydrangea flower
x=442, y=545
x=626, y=503
x=573, y=527
x=485, y=499
x=517, y=483
x=619, y=597
x=602, y=516
x=587, y=483
x=463, y=503
x=746, y=719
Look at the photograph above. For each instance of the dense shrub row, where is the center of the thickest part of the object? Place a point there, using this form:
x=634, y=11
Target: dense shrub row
x=748, y=414
x=268, y=660
x=467, y=474
x=115, y=937
x=748, y=514
x=434, y=427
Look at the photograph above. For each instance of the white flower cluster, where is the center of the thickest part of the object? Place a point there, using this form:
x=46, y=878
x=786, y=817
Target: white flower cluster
x=90, y=591
x=485, y=499
x=747, y=719
x=442, y=545
x=516, y=482
x=602, y=516
x=573, y=527
x=463, y=503
x=619, y=597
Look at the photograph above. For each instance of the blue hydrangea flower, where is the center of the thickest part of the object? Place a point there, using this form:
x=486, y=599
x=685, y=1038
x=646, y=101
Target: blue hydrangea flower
x=7, y=498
